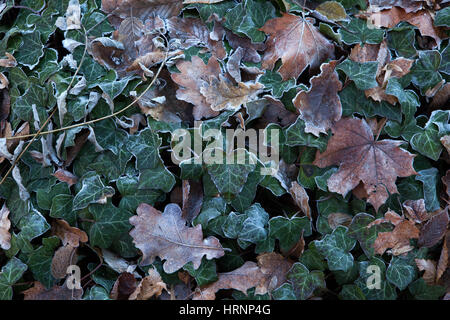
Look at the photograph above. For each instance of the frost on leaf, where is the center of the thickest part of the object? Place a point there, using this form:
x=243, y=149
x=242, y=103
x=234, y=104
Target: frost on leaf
x=166, y=235
x=360, y=158
x=297, y=43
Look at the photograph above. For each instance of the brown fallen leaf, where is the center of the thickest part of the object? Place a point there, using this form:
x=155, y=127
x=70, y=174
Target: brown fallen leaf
x=434, y=229
x=443, y=262
x=9, y=62
x=389, y=18
x=320, y=106
x=297, y=249
x=150, y=286
x=4, y=82
x=297, y=43
x=222, y=94
x=429, y=266
x=5, y=224
x=124, y=286
x=66, y=176
x=301, y=198
x=445, y=140
x=408, y=5
x=63, y=258
x=166, y=235
x=397, y=239
x=376, y=163
x=193, y=32
x=267, y=275
x=39, y=292
x=193, y=74
x=68, y=235
x=250, y=49
x=441, y=97
x=192, y=199
x=142, y=9
x=415, y=210
x=446, y=181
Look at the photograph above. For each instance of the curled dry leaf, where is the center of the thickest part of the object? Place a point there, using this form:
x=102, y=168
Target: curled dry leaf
x=446, y=181
x=360, y=158
x=166, y=235
x=250, y=49
x=301, y=198
x=192, y=199
x=9, y=62
x=193, y=74
x=5, y=224
x=320, y=106
x=429, y=266
x=267, y=275
x=434, y=229
x=339, y=219
x=415, y=210
x=39, y=292
x=445, y=140
x=150, y=286
x=408, y=5
x=3, y=81
x=68, y=235
x=66, y=176
x=389, y=18
x=221, y=94
x=443, y=262
x=397, y=239
x=297, y=43
x=124, y=286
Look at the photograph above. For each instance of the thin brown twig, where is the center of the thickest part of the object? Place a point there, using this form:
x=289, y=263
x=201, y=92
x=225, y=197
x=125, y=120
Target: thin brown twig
x=38, y=133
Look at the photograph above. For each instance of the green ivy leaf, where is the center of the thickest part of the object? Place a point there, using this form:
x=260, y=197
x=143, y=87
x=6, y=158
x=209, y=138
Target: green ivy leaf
x=305, y=282
x=357, y=31
x=31, y=50
x=289, y=230
x=11, y=273
x=40, y=261
x=362, y=73
x=335, y=247
x=400, y=273
x=442, y=18
x=92, y=191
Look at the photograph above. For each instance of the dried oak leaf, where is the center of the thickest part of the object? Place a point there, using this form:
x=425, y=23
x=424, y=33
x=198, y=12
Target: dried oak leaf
x=150, y=286
x=397, y=239
x=389, y=18
x=434, y=229
x=320, y=106
x=5, y=224
x=193, y=32
x=39, y=292
x=301, y=198
x=65, y=176
x=166, y=235
x=267, y=275
x=297, y=43
x=376, y=163
x=193, y=74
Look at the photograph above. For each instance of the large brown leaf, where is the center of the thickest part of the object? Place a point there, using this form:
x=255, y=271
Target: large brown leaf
x=268, y=274
x=297, y=42
x=166, y=235
x=376, y=163
x=320, y=106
